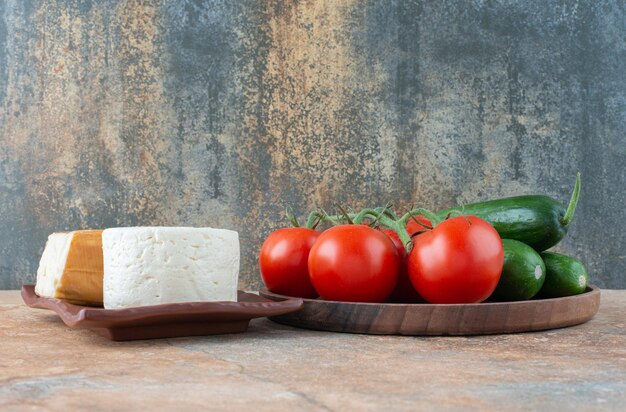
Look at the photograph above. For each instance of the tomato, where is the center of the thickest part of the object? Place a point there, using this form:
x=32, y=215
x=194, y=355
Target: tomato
x=354, y=263
x=284, y=261
x=459, y=261
x=404, y=292
x=413, y=227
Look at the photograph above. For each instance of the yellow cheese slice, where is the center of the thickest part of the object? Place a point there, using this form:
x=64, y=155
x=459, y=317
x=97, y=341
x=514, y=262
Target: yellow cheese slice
x=71, y=267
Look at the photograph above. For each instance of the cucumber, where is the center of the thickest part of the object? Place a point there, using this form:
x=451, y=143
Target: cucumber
x=565, y=276
x=523, y=272
x=539, y=221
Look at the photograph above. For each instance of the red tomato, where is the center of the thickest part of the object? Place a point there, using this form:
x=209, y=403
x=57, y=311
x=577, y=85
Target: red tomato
x=354, y=263
x=459, y=261
x=404, y=292
x=413, y=227
x=284, y=259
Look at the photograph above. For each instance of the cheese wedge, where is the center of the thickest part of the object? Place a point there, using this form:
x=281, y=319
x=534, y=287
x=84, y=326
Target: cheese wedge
x=155, y=265
x=71, y=267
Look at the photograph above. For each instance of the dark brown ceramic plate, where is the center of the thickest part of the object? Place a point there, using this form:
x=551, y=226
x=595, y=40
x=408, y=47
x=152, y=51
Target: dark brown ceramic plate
x=165, y=321
x=427, y=319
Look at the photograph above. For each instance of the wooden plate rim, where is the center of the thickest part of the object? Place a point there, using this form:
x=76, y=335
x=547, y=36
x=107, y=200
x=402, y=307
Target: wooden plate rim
x=424, y=319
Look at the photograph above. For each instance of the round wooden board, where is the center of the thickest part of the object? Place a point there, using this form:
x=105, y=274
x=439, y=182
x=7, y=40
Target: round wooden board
x=427, y=319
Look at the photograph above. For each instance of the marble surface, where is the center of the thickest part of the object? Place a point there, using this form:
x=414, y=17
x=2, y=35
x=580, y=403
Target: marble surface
x=45, y=365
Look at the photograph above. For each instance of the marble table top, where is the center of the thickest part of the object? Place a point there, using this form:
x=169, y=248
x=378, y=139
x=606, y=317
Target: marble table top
x=45, y=365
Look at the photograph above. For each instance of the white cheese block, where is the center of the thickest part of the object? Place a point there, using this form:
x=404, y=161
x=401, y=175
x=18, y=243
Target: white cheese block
x=71, y=267
x=155, y=265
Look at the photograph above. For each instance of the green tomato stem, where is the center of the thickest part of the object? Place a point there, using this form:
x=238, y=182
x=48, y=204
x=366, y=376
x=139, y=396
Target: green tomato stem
x=291, y=217
x=398, y=226
x=311, y=219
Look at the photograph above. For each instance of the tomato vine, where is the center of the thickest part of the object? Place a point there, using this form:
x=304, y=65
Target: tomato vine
x=382, y=215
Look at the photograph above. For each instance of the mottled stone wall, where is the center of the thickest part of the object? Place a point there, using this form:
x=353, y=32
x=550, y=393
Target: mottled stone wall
x=220, y=113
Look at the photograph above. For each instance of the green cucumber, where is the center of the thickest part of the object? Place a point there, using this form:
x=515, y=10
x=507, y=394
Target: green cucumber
x=523, y=272
x=539, y=221
x=565, y=276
